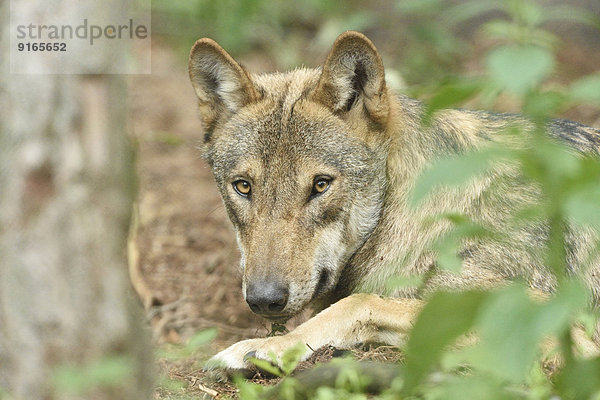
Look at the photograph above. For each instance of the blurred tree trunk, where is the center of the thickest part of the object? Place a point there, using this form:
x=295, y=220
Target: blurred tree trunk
x=66, y=186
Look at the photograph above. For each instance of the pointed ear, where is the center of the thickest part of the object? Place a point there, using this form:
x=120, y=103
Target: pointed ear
x=353, y=74
x=221, y=84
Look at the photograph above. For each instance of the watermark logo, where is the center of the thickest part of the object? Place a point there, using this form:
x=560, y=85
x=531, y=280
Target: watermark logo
x=80, y=37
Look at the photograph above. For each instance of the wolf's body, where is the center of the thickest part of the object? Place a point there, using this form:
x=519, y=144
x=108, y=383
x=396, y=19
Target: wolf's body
x=315, y=167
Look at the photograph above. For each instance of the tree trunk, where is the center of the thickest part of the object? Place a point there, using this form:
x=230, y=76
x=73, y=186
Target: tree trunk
x=69, y=326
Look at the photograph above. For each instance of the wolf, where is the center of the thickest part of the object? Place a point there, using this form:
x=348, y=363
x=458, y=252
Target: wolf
x=315, y=166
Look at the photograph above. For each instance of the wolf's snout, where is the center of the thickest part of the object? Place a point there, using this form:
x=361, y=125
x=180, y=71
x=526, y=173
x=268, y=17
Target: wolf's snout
x=267, y=298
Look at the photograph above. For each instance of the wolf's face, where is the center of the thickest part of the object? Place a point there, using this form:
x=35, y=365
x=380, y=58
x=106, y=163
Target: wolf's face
x=297, y=159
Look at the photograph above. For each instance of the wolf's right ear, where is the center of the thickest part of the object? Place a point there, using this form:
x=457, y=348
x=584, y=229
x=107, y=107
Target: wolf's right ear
x=221, y=84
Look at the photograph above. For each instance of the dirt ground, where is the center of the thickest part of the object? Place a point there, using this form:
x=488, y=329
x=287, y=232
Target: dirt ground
x=188, y=274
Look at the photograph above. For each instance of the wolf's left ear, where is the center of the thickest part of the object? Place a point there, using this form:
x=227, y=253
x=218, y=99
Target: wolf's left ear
x=221, y=84
x=353, y=74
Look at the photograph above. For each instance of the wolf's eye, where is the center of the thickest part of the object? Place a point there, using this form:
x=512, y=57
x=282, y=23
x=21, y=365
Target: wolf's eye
x=320, y=185
x=242, y=187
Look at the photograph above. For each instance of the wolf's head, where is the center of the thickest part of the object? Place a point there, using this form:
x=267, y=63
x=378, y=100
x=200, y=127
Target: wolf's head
x=299, y=159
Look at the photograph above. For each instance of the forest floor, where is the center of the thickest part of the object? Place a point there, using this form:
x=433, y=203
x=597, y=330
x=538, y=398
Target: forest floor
x=189, y=277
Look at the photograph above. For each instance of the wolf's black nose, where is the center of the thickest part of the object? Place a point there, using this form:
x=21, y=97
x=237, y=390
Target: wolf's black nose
x=266, y=298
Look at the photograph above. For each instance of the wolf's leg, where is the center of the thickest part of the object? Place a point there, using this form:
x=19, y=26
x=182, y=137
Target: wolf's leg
x=355, y=319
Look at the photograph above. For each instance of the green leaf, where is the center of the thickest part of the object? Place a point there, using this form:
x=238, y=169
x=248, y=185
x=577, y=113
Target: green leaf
x=464, y=11
x=554, y=317
x=350, y=378
x=266, y=366
x=469, y=387
x=580, y=380
x=586, y=89
x=550, y=163
x=583, y=206
x=542, y=105
x=539, y=384
x=202, y=338
x=451, y=94
x=501, y=29
x=513, y=33
x=588, y=320
x=519, y=68
x=512, y=327
x=526, y=12
x=109, y=371
x=444, y=318
x=248, y=390
x=194, y=344
x=291, y=357
x=454, y=171
x=508, y=342
x=449, y=245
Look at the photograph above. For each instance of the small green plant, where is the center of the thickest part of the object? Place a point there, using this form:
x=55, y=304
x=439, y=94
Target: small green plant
x=195, y=344
x=79, y=380
x=194, y=349
x=249, y=390
x=288, y=363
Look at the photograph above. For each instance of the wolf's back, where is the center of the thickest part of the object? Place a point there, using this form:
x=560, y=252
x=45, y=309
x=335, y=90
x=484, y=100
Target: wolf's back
x=581, y=137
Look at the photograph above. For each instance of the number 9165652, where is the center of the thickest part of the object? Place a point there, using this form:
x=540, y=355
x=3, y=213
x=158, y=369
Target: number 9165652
x=42, y=46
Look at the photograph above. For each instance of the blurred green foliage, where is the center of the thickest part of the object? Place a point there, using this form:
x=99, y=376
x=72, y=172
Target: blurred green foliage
x=427, y=40
x=82, y=380
x=288, y=363
x=505, y=363
x=281, y=29
x=194, y=345
x=195, y=350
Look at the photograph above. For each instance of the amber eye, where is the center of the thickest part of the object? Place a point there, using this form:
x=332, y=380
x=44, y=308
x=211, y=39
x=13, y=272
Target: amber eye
x=242, y=187
x=320, y=185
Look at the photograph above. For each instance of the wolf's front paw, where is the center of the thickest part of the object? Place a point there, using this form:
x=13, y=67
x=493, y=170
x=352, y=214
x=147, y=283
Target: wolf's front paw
x=236, y=358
